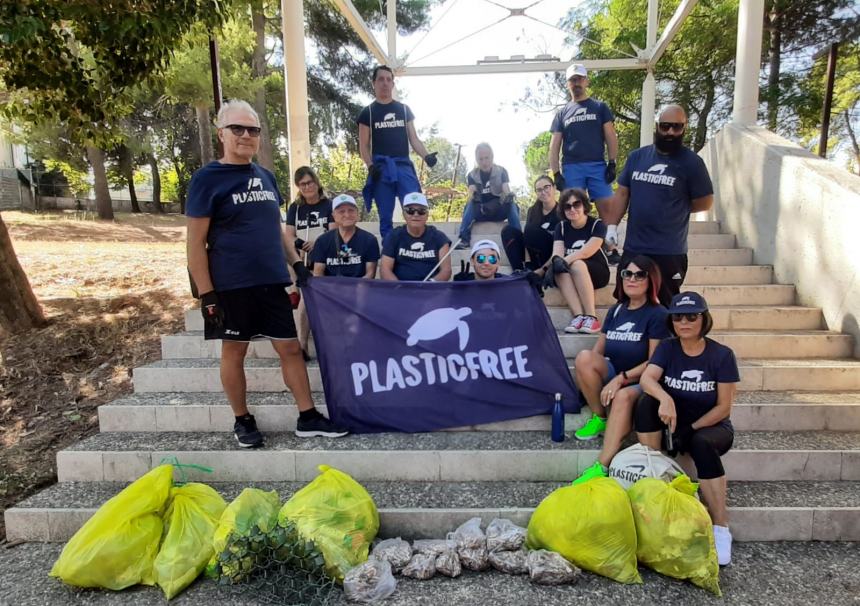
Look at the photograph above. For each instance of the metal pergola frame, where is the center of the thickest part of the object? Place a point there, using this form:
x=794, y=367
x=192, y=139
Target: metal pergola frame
x=750, y=24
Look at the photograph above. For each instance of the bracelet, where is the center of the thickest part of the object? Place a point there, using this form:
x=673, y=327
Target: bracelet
x=625, y=377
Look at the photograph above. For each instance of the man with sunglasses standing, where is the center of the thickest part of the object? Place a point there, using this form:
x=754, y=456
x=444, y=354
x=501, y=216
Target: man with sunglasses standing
x=347, y=250
x=386, y=129
x=660, y=186
x=415, y=251
x=580, y=131
x=237, y=256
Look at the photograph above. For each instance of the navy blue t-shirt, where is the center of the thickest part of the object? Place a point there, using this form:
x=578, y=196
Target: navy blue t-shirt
x=245, y=244
x=574, y=238
x=662, y=187
x=483, y=187
x=387, y=123
x=581, y=126
x=692, y=381
x=414, y=257
x=628, y=333
x=319, y=215
x=346, y=258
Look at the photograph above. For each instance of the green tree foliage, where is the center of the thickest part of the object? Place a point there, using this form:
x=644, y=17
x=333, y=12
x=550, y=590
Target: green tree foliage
x=536, y=156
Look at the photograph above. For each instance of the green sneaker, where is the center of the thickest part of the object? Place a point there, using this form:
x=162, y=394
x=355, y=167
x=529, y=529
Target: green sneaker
x=592, y=429
x=595, y=471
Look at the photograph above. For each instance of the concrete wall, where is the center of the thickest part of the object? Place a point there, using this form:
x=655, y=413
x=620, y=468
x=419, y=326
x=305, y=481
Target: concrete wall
x=798, y=212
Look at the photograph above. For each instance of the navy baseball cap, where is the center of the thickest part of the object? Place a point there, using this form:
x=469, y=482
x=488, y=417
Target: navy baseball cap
x=688, y=303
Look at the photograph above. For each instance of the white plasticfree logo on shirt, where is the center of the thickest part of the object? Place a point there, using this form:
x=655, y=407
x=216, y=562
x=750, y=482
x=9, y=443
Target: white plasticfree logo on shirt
x=622, y=333
x=581, y=114
x=691, y=380
x=389, y=121
x=656, y=174
x=428, y=368
x=575, y=247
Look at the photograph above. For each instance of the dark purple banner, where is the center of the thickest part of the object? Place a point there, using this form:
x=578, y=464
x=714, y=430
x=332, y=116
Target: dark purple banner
x=413, y=356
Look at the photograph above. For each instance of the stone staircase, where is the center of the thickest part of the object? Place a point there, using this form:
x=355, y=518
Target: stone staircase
x=794, y=471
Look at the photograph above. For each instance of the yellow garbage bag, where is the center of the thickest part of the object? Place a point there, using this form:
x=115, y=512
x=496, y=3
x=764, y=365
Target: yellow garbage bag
x=674, y=531
x=116, y=547
x=338, y=515
x=189, y=527
x=591, y=525
x=252, y=508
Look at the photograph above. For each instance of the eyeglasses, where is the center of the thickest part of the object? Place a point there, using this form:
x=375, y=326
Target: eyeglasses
x=544, y=189
x=491, y=259
x=636, y=276
x=666, y=126
x=415, y=211
x=306, y=184
x=239, y=130
x=687, y=317
x=572, y=205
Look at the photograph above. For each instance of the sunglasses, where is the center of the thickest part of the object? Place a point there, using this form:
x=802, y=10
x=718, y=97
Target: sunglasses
x=491, y=259
x=239, y=130
x=666, y=126
x=577, y=204
x=636, y=276
x=415, y=211
x=687, y=317
x=544, y=189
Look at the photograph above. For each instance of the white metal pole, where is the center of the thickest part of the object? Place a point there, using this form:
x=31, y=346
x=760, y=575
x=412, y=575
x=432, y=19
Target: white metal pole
x=393, y=61
x=748, y=61
x=649, y=86
x=296, y=84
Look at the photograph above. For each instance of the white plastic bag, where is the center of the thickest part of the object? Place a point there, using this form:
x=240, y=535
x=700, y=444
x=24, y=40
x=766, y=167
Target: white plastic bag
x=421, y=567
x=549, y=568
x=448, y=564
x=510, y=562
x=369, y=582
x=433, y=546
x=638, y=461
x=395, y=551
x=504, y=535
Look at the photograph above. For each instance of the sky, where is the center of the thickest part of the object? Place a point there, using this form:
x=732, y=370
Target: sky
x=470, y=109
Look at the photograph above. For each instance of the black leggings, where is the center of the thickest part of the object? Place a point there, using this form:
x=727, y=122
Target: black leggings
x=706, y=446
x=535, y=240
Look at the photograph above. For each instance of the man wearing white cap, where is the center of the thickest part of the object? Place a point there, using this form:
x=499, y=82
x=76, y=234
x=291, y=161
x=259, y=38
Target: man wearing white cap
x=416, y=250
x=580, y=131
x=485, y=258
x=348, y=250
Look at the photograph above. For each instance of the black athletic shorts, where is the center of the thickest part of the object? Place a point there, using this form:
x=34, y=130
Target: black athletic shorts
x=256, y=312
x=598, y=269
x=673, y=270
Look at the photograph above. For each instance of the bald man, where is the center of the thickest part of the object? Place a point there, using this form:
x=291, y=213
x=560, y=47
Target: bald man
x=660, y=186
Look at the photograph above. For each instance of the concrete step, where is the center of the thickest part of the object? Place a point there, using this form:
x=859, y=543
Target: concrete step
x=438, y=456
x=759, y=511
x=725, y=294
x=761, y=318
x=263, y=374
x=495, y=227
x=787, y=573
x=746, y=344
x=758, y=317
x=210, y=412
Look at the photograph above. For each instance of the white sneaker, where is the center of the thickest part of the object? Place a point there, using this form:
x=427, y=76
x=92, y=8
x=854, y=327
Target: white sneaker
x=723, y=543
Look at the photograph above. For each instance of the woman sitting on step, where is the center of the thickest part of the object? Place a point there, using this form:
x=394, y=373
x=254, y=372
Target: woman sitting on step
x=690, y=385
x=608, y=374
x=579, y=263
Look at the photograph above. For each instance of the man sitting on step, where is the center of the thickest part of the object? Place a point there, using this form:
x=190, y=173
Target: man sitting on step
x=485, y=259
x=660, y=186
x=236, y=248
x=348, y=250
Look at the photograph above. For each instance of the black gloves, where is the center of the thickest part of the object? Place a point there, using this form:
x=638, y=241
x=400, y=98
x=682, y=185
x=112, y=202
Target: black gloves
x=534, y=280
x=430, y=159
x=560, y=183
x=609, y=175
x=681, y=439
x=559, y=265
x=464, y=274
x=374, y=171
x=211, y=310
x=303, y=274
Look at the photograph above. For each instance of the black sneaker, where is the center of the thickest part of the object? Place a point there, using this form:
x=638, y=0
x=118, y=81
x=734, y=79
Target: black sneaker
x=319, y=427
x=463, y=245
x=613, y=257
x=246, y=432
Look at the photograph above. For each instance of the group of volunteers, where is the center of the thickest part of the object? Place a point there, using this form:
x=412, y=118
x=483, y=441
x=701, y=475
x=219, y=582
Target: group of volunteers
x=653, y=367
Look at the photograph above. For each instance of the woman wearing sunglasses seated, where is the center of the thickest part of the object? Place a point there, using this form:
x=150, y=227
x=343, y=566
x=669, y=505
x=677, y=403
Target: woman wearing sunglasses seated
x=537, y=237
x=608, y=374
x=578, y=240
x=413, y=251
x=690, y=385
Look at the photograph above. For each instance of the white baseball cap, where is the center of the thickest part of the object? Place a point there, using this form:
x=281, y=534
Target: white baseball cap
x=416, y=198
x=343, y=199
x=482, y=244
x=575, y=69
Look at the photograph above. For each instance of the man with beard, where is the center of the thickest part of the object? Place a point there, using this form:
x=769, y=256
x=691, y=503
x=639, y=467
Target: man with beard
x=660, y=186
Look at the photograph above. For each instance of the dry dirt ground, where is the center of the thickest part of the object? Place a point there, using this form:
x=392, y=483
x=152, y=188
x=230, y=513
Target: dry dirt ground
x=109, y=290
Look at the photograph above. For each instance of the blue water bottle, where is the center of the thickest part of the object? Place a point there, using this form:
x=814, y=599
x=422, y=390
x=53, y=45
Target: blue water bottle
x=557, y=420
